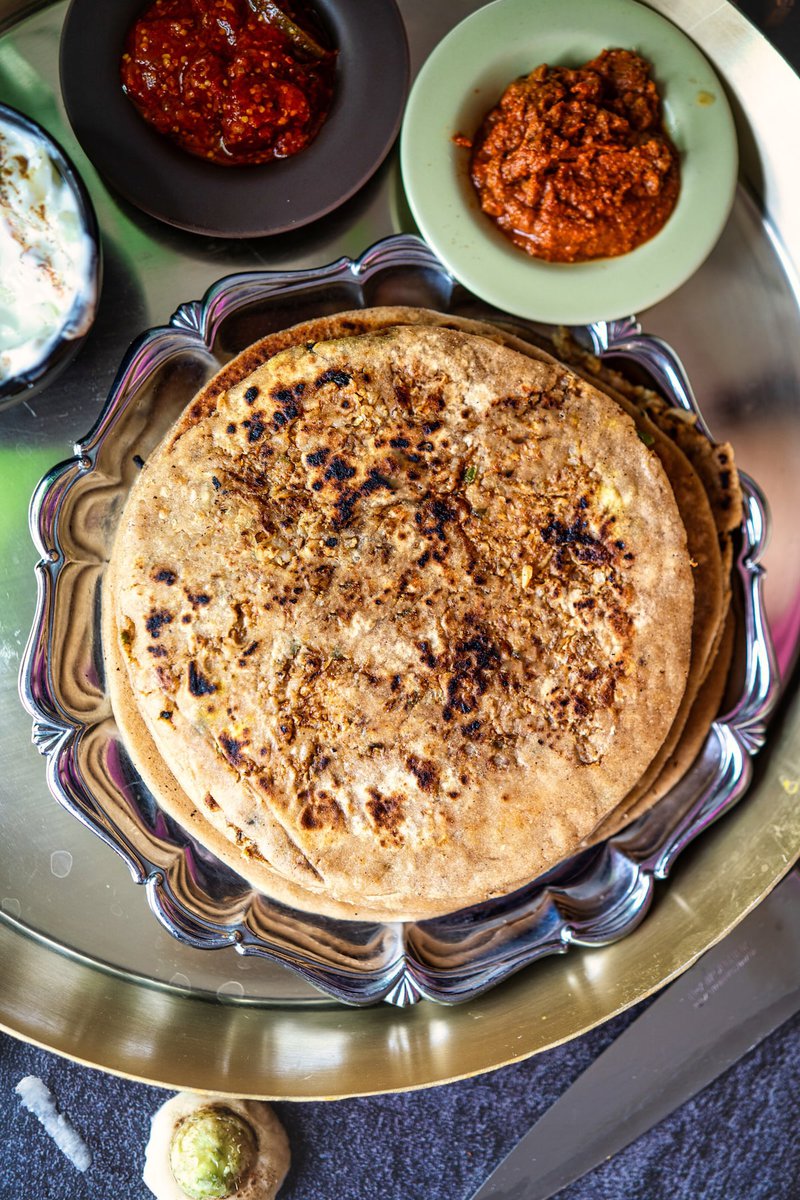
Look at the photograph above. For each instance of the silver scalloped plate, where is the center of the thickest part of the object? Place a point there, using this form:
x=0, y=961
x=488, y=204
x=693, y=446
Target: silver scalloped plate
x=592, y=899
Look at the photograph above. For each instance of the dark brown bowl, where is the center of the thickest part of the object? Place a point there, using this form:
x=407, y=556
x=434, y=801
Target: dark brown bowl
x=241, y=201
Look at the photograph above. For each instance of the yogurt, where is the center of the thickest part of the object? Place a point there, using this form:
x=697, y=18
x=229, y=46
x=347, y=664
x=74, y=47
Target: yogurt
x=47, y=277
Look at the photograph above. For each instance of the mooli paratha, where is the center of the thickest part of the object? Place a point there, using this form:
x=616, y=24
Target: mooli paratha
x=405, y=614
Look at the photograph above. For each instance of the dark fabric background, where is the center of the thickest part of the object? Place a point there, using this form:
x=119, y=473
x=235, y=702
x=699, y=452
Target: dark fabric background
x=736, y=1140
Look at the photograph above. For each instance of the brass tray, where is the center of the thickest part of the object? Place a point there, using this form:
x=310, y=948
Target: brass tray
x=591, y=899
x=87, y=971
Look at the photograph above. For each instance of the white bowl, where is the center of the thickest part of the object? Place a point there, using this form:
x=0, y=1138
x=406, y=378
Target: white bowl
x=48, y=231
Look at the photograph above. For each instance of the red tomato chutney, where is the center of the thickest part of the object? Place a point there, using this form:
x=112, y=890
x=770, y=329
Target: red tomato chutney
x=229, y=83
x=575, y=165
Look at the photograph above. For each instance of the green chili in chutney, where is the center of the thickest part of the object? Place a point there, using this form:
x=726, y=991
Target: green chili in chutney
x=230, y=81
x=575, y=165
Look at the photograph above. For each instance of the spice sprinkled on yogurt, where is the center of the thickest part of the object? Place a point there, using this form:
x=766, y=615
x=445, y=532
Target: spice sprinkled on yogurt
x=47, y=279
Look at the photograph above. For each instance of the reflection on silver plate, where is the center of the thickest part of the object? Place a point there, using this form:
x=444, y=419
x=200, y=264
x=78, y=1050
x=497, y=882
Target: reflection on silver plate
x=592, y=899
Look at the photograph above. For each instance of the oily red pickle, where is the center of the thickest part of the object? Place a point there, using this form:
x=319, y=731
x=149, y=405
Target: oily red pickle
x=229, y=82
x=575, y=165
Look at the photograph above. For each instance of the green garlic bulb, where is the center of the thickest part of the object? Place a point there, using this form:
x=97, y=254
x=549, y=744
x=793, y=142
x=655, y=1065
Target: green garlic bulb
x=211, y=1153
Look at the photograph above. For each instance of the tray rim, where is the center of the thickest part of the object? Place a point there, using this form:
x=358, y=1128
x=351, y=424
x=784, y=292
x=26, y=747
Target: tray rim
x=101, y=1020
x=598, y=907
x=92, y=1024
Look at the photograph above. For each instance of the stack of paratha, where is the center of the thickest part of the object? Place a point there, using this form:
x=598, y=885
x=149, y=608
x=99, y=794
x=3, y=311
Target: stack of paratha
x=404, y=611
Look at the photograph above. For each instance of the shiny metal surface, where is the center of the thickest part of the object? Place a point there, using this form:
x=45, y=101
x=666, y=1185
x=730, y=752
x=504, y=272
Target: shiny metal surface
x=740, y=991
x=735, y=326
x=596, y=898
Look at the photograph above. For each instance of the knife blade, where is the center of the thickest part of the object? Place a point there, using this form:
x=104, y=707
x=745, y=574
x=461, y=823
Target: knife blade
x=737, y=993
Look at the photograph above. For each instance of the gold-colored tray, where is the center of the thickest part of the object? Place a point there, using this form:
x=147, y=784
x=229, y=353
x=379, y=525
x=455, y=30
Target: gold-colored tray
x=111, y=989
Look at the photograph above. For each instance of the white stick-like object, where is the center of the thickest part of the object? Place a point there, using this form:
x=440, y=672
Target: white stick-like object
x=39, y=1100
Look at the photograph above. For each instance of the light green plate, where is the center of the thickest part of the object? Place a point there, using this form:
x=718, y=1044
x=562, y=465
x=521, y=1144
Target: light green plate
x=465, y=76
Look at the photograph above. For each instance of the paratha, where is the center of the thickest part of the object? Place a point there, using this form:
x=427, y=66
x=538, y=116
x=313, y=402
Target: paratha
x=705, y=485
x=405, y=613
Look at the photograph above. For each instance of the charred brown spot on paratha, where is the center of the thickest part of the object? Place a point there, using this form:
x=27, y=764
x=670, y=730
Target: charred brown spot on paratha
x=339, y=378
x=199, y=684
x=156, y=621
x=576, y=539
x=321, y=812
x=198, y=599
x=387, y=813
x=424, y=772
x=475, y=660
x=232, y=749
